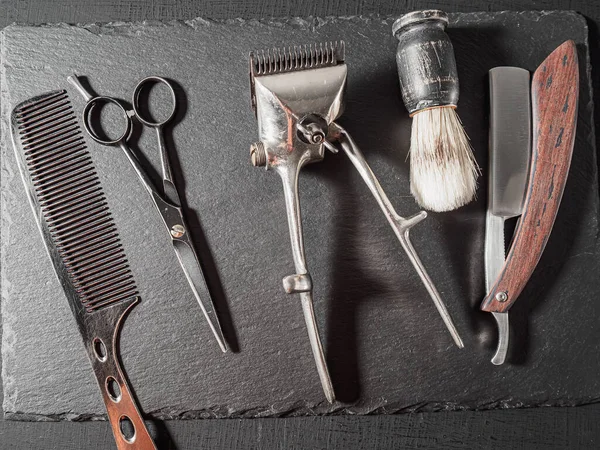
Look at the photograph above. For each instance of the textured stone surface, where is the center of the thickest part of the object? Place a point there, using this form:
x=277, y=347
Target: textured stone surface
x=387, y=348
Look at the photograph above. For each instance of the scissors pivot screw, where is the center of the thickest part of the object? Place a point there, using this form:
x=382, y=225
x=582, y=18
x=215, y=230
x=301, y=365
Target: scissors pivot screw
x=501, y=296
x=177, y=231
x=258, y=154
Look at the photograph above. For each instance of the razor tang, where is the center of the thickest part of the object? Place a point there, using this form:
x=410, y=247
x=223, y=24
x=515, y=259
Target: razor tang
x=509, y=155
x=554, y=99
x=281, y=109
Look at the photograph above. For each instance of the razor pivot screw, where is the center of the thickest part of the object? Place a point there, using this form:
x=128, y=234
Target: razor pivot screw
x=258, y=154
x=501, y=296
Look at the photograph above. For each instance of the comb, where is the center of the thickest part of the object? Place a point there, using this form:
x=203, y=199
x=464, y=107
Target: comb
x=82, y=241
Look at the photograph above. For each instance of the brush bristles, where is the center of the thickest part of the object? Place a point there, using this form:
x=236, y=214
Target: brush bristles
x=443, y=170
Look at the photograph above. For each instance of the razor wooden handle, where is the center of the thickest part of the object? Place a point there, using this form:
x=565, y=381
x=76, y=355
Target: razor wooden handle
x=554, y=92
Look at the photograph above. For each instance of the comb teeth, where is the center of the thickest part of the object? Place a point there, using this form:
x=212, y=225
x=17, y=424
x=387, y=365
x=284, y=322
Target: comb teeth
x=280, y=60
x=72, y=202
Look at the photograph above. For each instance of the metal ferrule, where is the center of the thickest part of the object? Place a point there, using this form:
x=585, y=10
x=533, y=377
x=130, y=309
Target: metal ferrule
x=425, y=59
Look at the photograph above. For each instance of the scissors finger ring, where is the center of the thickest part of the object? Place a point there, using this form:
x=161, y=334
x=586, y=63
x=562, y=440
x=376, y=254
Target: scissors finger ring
x=144, y=117
x=94, y=128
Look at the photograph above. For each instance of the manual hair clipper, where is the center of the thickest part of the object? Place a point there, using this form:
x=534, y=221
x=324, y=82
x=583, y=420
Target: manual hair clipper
x=297, y=94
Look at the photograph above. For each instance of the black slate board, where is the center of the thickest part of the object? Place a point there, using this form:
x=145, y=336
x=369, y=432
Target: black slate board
x=387, y=348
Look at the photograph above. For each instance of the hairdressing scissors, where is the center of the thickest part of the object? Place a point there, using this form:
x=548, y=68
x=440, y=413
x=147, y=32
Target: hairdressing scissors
x=167, y=204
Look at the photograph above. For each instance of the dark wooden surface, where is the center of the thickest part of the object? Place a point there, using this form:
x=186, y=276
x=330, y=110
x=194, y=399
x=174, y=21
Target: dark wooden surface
x=555, y=88
x=540, y=428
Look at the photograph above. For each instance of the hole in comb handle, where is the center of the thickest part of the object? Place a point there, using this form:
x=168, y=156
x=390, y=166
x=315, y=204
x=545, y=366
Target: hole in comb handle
x=127, y=429
x=100, y=349
x=113, y=389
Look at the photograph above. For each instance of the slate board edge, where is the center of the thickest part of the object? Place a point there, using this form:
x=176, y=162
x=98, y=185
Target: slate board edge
x=310, y=22
x=301, y=410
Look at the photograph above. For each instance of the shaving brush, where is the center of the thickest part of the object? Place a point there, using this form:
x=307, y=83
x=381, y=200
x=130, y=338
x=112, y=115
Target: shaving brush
x=443, y=170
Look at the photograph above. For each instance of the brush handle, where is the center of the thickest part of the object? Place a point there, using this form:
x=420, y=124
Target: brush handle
x=426, y=63
x=101, y=337
x=555, y=90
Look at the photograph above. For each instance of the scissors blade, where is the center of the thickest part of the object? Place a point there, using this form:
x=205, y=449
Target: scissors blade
x=171, y=193
x=169, y=188
x=193, y=272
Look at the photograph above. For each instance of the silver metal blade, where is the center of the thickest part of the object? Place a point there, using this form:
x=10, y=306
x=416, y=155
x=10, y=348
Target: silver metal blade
x=510, y=140
x=494, y=260
x=494, y=252
x=509, y=159
x=191, y=268
x=171, y=193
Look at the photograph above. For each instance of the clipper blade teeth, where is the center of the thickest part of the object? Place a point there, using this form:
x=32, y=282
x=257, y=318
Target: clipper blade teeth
x=281, y=60
x=59, y=172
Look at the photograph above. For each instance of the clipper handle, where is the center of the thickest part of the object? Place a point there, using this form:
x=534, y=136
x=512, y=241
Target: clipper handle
x=301, y=283
x=400, y=225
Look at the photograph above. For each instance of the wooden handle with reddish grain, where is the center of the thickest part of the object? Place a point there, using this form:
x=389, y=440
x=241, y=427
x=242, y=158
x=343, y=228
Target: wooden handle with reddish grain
x=554, y=98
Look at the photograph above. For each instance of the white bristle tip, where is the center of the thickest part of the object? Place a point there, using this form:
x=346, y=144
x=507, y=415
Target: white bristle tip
x=443, y=170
